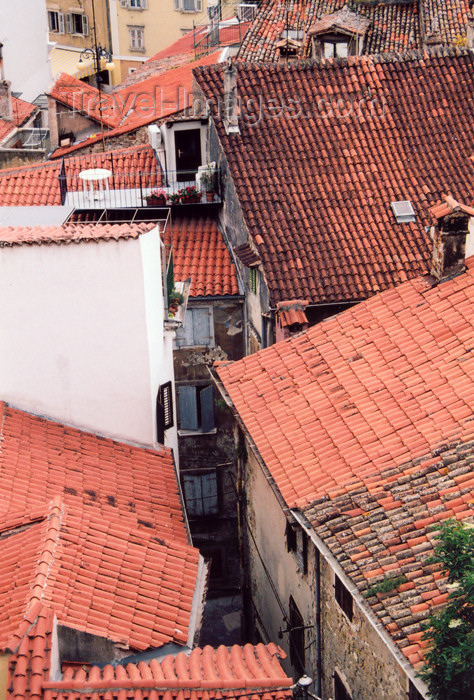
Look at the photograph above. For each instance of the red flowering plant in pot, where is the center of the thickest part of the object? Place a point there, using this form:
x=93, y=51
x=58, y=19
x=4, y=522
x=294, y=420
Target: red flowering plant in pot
x=189, y=195
x=156, y=198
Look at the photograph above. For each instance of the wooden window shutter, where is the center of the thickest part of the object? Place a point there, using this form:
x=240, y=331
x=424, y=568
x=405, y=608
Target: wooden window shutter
x=209, y=493
x=85, y=25
x=144, y=4
x=201, y=326
x=188, y=413
x=160, y=421
x=124, y=3
x=177, y=4
x=206, y=398
x=198, y=5
x=61, y=22
x=68, y=22
x=166, y=400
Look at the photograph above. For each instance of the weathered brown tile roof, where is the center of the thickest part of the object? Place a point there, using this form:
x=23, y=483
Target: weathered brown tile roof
x=394, y=26
x=315, y=183
x=386, y=528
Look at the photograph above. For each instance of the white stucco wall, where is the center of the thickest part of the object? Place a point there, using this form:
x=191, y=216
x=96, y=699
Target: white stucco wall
x=24, y=35
x=82, y=334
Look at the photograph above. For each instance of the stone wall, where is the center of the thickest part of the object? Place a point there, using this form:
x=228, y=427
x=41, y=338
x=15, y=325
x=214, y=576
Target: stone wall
x=215, y=535
x=362, y=658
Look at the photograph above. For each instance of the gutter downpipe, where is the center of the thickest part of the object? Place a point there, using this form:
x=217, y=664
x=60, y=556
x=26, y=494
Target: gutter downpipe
x=319, y=662
x=377, y=626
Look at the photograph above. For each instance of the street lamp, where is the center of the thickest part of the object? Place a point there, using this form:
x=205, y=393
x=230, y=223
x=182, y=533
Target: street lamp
x=97, y=53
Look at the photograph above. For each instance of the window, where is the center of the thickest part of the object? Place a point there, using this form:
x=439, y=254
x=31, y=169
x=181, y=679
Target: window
x=404, y=212
x=201, y=493
x=164, y=411
x=253, y=280
x=137, y=39
x=296, y=640
x=297, y=542
x=413, y=693
x=77, y=23
x=196, y=408
x=188, y=5
x=340, y=690
x=343, y=597
x=134, y=4
x=197, y=328
x=56, y=22
x=337, y=49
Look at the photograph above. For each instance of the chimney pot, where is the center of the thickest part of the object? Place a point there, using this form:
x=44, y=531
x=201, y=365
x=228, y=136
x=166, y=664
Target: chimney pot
x=231, y=107
x=449, y=245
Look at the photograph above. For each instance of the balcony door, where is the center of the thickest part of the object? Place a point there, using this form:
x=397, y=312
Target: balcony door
x=188, y=153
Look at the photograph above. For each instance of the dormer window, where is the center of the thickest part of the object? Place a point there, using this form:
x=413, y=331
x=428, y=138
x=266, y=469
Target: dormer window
x=339, y=35
x=290, y=43
x=335, y=49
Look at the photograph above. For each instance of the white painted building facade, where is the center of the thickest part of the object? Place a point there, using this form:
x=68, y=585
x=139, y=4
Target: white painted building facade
x=84, y=339
x=24, y=35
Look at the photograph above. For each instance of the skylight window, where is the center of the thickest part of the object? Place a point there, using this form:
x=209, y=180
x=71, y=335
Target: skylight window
x=404, y=212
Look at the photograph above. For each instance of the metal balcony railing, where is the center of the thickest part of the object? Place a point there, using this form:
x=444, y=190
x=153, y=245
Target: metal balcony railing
x=112, y=189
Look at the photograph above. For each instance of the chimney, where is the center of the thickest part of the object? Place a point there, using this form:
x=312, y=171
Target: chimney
x=449, y=244
x=470, y=29
x=6, y=111
x=231, y=107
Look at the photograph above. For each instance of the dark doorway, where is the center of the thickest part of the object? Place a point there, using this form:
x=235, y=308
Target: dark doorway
x=296, y=639
x=188, y=153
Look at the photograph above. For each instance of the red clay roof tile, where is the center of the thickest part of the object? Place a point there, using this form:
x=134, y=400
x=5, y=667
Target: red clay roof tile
x=315, y=185
x=39, y=185
x=205, y=673
x=21, y=112
x=199, y=253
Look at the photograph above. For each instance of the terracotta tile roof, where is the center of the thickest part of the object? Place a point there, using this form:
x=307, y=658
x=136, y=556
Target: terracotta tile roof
x=40, y=459
x=384, y=528
x=315, y=187
x=21, y=111
x=127, y=109
x=70, y=233
x=100, y=575
x=292, y=312
x=447, y=207
x=36, y=185
x=29, y=664
x=199, y=252
x=183, y=51
x=393, y=26
x=205, y=673
x=247, y=255
x=378, y=385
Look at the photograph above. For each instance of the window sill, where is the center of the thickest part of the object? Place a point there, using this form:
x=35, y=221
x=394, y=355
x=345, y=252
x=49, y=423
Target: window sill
x=187, y=433
x=137, y=50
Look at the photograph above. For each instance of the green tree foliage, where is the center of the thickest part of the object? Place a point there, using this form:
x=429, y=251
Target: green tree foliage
x=449, y=670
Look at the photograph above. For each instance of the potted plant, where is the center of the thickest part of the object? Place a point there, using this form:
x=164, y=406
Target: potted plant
x=189, y=195
x=156, y=198
x=175, y=198
x=174, y=301
x=208, y=181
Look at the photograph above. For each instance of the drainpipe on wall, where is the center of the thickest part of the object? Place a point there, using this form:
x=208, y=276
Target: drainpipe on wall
x=319, y=663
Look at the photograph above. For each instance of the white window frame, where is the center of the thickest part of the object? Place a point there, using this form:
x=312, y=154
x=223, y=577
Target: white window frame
x=179, y=6
x=134, y=4
x=59, y=21
x=136, y=35
x=187, y=335
x=71, y=23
